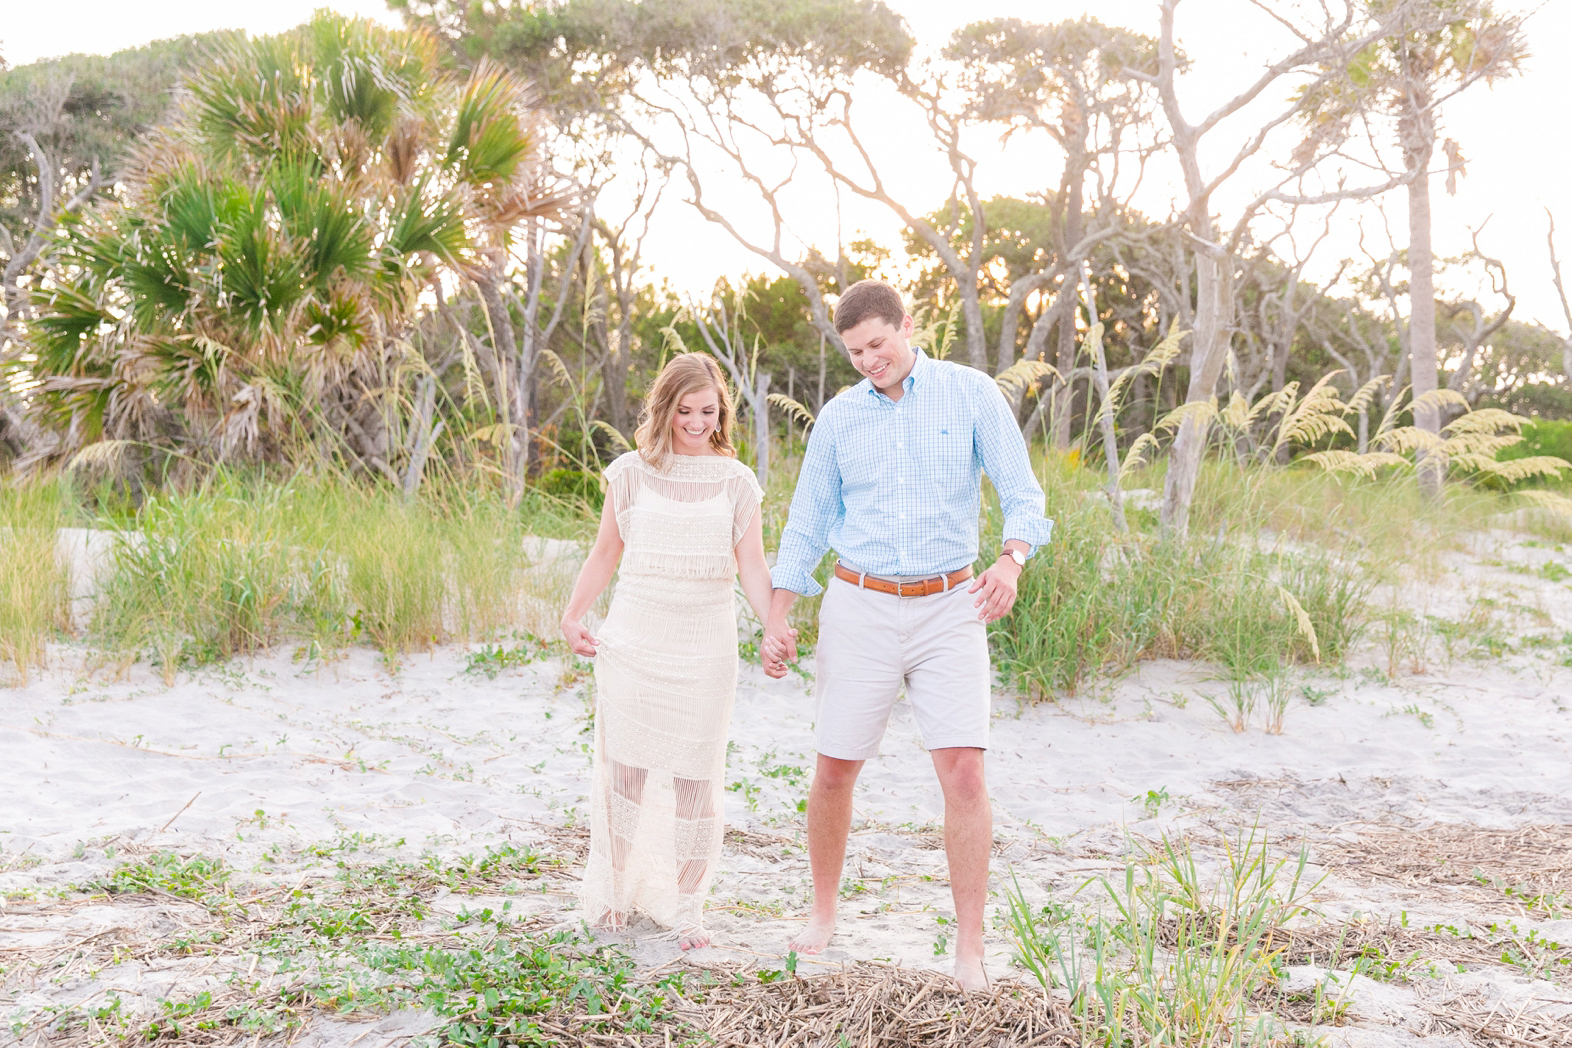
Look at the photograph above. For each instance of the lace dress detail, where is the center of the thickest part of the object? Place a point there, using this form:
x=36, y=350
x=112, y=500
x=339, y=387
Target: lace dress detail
x=665, y=682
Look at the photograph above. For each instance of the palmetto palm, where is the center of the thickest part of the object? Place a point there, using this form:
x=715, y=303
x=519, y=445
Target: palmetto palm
x=1433, y=50
x=272, y=243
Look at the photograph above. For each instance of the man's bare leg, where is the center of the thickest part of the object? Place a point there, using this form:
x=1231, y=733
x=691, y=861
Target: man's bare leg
x=829, y=822
x=968, y=839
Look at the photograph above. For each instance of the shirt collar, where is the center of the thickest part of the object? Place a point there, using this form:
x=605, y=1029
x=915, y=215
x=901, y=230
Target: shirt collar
x=912, y=378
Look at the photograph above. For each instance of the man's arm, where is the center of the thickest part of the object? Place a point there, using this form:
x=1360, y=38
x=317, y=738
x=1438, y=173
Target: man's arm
x=815, y=508
x=1008, y=465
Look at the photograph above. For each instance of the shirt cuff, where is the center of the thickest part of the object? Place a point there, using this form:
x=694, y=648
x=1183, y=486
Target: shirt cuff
x=800, y=582
x=1034, y=531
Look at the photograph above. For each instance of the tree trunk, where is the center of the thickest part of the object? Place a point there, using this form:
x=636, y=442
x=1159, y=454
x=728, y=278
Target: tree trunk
x=615, y=379
x=1063, y=392
x=614, y=375
x=1105, y=423
x=503, y=352
x=1422, y=323
x=976, y=338
x=423, y=432
x=761, y=428
x=1073, y=227
x=823, y=365
x=1208, y=345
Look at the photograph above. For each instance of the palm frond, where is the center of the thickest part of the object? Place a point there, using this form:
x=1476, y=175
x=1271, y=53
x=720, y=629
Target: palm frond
x=428, y=220
x=108, y=454
x=490, y=141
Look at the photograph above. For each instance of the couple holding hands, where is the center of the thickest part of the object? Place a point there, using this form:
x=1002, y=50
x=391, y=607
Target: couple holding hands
x=891, y=482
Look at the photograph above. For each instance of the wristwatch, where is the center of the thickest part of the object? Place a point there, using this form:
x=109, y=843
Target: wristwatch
x=1015, y=555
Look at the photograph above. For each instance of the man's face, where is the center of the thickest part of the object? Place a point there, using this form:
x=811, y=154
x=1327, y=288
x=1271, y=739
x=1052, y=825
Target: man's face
x=881, y=351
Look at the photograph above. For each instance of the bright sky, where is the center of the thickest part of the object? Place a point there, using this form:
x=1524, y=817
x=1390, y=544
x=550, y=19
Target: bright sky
x=1515, y=135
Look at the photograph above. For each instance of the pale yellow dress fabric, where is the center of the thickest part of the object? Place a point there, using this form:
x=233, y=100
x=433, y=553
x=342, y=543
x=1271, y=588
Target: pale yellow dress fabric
x=665, y=682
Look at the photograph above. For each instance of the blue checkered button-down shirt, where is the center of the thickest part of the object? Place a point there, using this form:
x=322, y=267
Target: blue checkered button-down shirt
x=894, y=486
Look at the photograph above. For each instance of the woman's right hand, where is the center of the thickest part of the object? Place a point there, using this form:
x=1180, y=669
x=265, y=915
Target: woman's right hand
x=580, y=642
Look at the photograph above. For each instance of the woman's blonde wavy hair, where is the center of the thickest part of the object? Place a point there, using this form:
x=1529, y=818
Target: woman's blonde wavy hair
x=683, y=374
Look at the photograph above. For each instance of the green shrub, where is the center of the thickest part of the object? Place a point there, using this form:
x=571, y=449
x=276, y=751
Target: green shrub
x=1545, y=437
x=572, y=485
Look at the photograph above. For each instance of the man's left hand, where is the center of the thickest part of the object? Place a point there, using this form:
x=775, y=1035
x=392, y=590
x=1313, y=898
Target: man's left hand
x=996, y=589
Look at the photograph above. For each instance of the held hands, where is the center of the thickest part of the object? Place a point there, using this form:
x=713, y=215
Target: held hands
x=998, y=589
x=778, y=647
x=580, y=642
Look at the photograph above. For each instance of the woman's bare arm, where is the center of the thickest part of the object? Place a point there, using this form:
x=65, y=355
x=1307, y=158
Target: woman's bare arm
x=754, y=573
x=593, y=579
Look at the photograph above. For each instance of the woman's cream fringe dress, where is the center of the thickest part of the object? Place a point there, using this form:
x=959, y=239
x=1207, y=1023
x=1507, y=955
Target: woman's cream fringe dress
x=665, y=682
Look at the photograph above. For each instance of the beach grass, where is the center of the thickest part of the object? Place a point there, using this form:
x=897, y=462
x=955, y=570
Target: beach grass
x=1097, y=602
x=34, y=582
x=1277, y=571
x=1171, y=955
x=1281, y=568
x=240, y=565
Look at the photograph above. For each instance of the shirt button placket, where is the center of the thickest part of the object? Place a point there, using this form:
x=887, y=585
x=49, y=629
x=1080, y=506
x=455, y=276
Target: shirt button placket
x=900, y=495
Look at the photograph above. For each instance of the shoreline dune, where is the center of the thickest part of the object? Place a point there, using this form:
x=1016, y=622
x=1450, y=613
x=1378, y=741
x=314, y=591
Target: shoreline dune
x=263, y=760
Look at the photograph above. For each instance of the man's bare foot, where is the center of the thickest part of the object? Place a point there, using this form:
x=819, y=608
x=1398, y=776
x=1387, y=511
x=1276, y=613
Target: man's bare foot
x=694, y=939
x=815, y=935
x=970, y=973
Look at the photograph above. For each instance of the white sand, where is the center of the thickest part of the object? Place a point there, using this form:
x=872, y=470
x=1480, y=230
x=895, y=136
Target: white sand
x=277, y=753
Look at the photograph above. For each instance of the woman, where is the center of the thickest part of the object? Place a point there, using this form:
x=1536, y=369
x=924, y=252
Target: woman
x=682, y=515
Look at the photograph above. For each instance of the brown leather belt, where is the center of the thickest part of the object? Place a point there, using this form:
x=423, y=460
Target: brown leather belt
x=920, y=588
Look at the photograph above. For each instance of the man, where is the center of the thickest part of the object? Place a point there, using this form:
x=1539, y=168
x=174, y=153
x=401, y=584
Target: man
x=891, y=481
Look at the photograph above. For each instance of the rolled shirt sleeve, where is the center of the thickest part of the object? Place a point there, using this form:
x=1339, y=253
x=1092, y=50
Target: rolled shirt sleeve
x=815, y=509
x=1009, y=468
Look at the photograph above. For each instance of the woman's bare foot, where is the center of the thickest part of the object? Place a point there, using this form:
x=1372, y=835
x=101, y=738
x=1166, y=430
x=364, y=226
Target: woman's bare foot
x=694, y=939
x=815, y=935
x=610, y=921
x=970, y=973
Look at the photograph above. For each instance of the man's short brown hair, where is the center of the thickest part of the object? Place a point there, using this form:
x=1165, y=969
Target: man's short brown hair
x=869, y=298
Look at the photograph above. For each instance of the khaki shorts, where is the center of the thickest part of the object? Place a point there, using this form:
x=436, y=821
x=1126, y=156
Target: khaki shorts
x=872, y=643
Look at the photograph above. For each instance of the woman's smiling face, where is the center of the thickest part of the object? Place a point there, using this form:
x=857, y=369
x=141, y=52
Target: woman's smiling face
x=695, y=419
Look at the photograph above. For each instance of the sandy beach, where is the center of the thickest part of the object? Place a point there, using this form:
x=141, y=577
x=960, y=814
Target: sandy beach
x=1432, y=800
